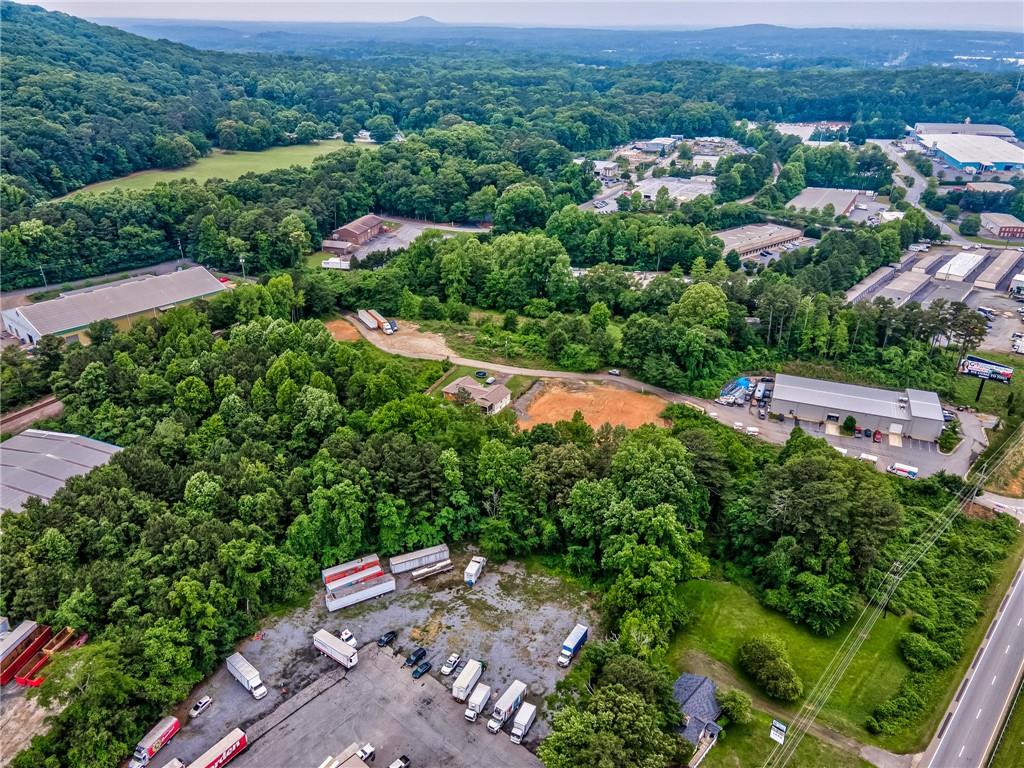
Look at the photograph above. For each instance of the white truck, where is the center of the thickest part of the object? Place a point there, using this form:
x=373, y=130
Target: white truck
x=467, y=679
x=337, y=649
x=474, y=570
x=506, y=705
x=477, y=701
x=572, y=644
x=374, y=320
x=247, y=675
x=524, y=719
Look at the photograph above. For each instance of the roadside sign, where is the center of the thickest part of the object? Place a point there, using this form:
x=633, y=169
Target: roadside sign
x=778, y=732
x=985, y=369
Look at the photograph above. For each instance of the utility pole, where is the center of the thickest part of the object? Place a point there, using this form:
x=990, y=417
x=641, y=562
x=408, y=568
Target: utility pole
x=241, y=259
x=181, y=252
x=41, y=272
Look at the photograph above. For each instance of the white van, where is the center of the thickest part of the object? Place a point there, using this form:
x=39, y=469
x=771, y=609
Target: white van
x=868, y=457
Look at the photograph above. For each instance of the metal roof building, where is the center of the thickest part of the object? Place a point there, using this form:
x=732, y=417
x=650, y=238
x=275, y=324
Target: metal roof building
x=970, y=129
x=816, y=198
x=39, y=463
x=751, y=239
x=971, y=150
x=124, y=300
x=908, y=413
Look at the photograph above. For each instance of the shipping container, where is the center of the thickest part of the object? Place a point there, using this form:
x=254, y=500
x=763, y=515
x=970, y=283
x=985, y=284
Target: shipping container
x=20, y=646
x=348, y=583
x=356, y=593
x=345, y=570
x=419, y=558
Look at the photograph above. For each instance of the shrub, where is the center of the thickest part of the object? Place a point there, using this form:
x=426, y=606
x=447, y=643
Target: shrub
x=764, y=658
x=737, y=706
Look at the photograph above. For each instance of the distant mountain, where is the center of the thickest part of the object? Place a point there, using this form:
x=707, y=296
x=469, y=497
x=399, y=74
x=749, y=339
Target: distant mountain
x=755, y=45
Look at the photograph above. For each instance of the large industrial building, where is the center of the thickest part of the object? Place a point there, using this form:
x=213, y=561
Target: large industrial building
x=816, y=198
x=989, y=186
x=911, y=413
x=659, y=145
x=750, y=239
x=38, y=463
x=974, y=152
x=125, y=302
x=967, y=129
x=680, y=190
x=1003, y=225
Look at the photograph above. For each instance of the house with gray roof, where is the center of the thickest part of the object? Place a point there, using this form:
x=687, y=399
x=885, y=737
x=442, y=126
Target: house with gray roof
x=39, y=463
x=696, y=697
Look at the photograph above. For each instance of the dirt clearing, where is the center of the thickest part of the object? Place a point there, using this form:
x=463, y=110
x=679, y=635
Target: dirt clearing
x=342, y=330
x=599, y=404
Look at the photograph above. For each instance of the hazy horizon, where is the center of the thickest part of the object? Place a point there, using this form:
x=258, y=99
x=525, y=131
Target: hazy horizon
x=992, y=15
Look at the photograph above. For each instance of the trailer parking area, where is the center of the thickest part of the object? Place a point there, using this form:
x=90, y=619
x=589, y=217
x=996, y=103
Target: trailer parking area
x=513, y=620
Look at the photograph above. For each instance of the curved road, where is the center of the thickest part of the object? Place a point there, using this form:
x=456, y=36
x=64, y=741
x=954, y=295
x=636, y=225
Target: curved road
x=925, y=456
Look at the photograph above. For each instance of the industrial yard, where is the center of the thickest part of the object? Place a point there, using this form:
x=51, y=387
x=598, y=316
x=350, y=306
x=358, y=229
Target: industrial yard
x=513, y=620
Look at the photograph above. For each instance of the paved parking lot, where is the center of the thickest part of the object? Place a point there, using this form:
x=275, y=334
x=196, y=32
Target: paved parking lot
x=512, y=620
x=1005, y=322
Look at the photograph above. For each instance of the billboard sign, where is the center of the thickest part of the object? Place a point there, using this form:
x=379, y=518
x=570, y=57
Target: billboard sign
x=985, y=369
x=778, y=732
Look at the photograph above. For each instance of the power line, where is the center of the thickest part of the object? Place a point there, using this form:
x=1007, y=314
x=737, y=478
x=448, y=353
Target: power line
x=874, y=608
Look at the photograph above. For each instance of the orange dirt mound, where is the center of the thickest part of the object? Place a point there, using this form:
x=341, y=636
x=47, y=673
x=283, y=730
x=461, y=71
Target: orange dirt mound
x=342, y=330
x=598, y=403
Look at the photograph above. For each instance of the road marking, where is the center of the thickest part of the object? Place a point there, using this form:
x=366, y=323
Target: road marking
x=1006, y=651
x=978, y=715
x=994, y=679
x=961, y=753
x=1020, y=620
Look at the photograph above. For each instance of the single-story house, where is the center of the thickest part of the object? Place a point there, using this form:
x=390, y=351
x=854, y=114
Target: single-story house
x=491, y=399
x=696, y=697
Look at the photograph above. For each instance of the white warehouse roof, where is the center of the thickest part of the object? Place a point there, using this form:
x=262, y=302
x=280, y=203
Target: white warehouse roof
x=969, y=148
x=38, y=463
x=851, y=398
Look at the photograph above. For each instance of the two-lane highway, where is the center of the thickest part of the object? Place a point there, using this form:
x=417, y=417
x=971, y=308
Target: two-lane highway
x=975, y=716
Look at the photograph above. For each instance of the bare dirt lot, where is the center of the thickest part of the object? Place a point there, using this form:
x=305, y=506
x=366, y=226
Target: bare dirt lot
x=411, y=341
x=342, y=330
x=599, y=404
x=513, y=621
x=21, y=718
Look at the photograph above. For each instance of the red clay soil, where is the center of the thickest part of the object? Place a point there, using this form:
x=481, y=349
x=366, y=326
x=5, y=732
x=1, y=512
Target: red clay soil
x=342, y=330
x=599, y=404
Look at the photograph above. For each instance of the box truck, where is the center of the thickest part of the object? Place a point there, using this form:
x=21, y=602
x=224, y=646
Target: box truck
x=351, y=594
x=247, y=675
x=467, y=679
x=337, y=649
x=154, y=741
x=223, y=752
x=419, y=558
x=524, y=719
x=506, y=705
x=572, y=644
x=475, y=569
x=477, y=701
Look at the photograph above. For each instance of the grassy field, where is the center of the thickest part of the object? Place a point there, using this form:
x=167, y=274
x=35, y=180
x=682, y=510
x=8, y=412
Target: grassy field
x=743, y=746
x=1010, y=753
x=516, y=384
x=726, y=616
x=222, y=165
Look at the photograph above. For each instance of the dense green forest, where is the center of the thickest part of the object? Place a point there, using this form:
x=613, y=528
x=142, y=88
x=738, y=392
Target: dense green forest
x=253, y=459
x=85, y=102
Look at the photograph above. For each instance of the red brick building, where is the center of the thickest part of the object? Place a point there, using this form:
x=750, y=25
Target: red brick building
x=360, y=231
x=1003, y=225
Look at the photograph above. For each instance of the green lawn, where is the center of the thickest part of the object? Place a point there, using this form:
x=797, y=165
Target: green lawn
x=744, y=746
x=519, y=384
x=223, y=165
x=726, y=615
x=1010, y=753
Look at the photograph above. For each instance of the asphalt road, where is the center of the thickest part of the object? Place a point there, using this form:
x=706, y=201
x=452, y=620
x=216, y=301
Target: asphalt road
x=975, y=716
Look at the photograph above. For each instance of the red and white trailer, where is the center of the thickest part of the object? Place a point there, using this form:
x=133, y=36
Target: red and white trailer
x=19, y=646
x=155, y=740
x=223, y=752
x=351, y=571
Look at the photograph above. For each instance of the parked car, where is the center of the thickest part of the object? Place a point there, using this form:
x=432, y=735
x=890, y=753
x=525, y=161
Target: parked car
x=481, y=374
x=868, y=433
x=762, y=414
x=948, y=415
x=415, y=657
x=449, y=666
x=387, y=638
x=421, y=670
x=877, y=436
x=200, y=706
x=489, y=380
x=614, y=372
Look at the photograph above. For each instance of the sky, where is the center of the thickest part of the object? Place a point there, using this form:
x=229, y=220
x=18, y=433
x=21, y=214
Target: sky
x=916, y=14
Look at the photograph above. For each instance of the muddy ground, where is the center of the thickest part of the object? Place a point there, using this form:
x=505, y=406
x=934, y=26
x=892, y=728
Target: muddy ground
x=342, y=330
